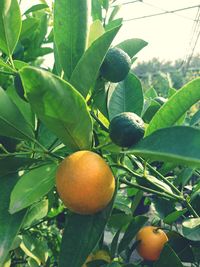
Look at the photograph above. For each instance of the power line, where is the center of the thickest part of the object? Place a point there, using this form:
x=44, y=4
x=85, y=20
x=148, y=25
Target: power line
x=165, y=10
x=162, y=13
x=127, y=3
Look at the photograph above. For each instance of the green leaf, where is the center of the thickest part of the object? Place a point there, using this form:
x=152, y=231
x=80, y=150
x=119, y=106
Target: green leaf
x=154, y=183
x=191, y=229
x=150, y=93
x=32, y=186
x=87, y=69
x=96, y=10
x=12, y=123
x=59, y=106
x=113, y=24
x=132, y=46
x=23, y=106
x=181, y=246
x=36, y=213
x=13, y=164
x=9, y=224
x=96, y=30
x=70, y=31
x=78, y=244
x=135, y=225
x=172, y=217
x=168, y=258
x=35, y=248
x=195, y=118
x=35, y=8
x=126, y=96
x=29, y=26
x=10, y=25
x=114, y=12
x=175, y=107
x=5, y=66
x=151, y=110
x=169, y=144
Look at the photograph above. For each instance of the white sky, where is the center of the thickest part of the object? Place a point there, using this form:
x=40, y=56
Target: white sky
x=168, y=35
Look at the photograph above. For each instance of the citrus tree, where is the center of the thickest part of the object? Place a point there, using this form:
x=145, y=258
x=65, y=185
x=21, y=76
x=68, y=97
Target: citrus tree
x=93, y=171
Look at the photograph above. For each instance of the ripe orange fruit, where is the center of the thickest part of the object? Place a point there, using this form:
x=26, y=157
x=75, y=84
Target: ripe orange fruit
x=85, y=182
x=152, y=240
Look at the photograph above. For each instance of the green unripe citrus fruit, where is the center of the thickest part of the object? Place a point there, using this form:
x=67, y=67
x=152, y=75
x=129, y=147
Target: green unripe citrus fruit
x=126, y=129
x=116, y=65
x=19, y=87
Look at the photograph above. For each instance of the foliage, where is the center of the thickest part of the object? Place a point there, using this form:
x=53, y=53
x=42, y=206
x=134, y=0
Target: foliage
x=67, y=107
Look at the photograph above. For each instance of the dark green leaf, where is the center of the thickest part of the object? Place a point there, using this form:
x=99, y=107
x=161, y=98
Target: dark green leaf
x=12, y=164
x=12, y=123
x=10, y=18
x=169, y=144
x=126, y=96
x=191, y=229
x=195, y=118
x=32, y=186
x=59, y=106
x=36, y=213
x=9, y=224
x=36, y=8
x=87, y=69
x=132, y=46
x=168, y=258
x=96, y=10
x=175, y=107
x=70, y=32
x=78, y=244
x=172, y=217
x=135, y=225
x=29, y=26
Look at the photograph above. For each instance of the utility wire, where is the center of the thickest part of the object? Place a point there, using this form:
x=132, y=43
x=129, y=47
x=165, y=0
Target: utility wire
x=127, y=3
x=162, y=13
x=165, y=10
x=193, y=41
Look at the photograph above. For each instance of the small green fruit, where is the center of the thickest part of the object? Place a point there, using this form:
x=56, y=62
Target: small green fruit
x=116, y=65
x=126, y=129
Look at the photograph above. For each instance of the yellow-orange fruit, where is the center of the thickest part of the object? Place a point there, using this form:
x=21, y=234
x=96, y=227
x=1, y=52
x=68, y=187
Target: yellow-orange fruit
x=152, y=240
x=85, y=182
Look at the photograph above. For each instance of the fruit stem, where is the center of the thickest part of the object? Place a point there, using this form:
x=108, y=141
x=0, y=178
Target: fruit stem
x=103, y=127
x=148, y=190
x=123, y=167
x=190, y=208
x=162, y=177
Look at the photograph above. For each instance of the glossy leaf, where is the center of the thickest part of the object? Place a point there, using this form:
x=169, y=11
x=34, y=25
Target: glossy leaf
x=172, y=217
x=35, y=8
x=126, y=96
x=12, y=164
x=9, y=224
x=36, y=213
x=87, y=69
x=10, y=25
x=135, y=225
x=195, y=118
x=78, y=244
x=59, y=106
x=96, y=30
x=168, y=258
x=69, y=17
x=175, y=107
x=191, y=229
x=12, y=123
x=132, y=46
x=169, y=144
x=32, y=186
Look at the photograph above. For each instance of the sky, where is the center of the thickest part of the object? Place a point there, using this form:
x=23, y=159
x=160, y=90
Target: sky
x=168, y=36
